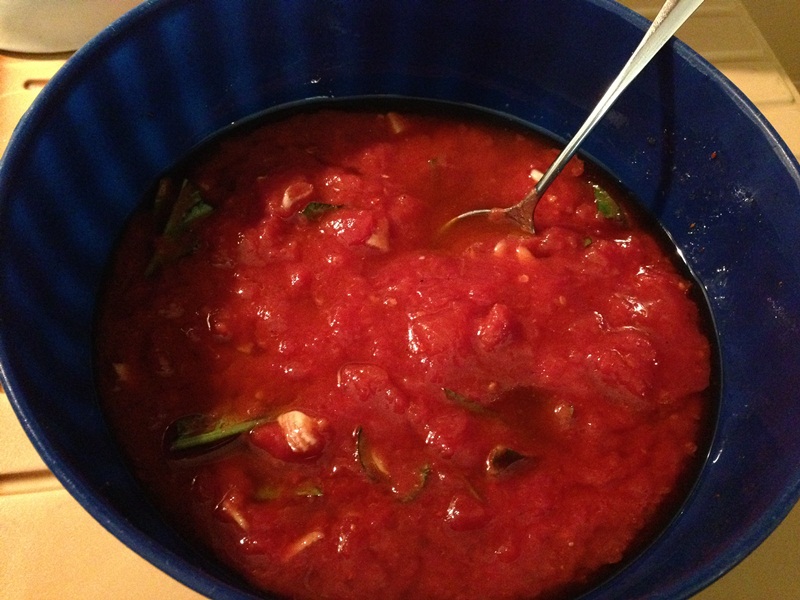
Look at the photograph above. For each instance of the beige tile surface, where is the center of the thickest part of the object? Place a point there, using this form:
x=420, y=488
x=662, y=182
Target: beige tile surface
x=17, y=455
x=771, y=572
x=21, y=79
x=51, y=548
x=778, y=20
x=723, y=33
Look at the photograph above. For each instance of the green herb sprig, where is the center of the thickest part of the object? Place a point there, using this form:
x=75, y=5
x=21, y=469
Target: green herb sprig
x=193, y=432
x=186, y=207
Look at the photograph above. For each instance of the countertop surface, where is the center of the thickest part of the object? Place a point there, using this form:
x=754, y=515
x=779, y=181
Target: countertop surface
x=51, y=548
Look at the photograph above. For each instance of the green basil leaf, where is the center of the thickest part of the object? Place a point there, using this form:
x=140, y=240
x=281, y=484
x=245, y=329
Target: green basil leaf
x=607, y=207
x=314, y=210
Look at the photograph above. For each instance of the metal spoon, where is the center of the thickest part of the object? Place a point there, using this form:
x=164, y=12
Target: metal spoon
x=671, y=16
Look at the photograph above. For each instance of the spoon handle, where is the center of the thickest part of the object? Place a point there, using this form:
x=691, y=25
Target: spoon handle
x=671, y=16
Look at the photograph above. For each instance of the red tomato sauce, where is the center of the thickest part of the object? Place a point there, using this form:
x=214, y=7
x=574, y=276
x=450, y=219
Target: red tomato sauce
x=479, y=413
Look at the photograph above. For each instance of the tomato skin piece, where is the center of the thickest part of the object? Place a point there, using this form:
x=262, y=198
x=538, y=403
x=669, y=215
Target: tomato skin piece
x=497, y=328
x=351, y=227
x=465, y=513
x=270, y=437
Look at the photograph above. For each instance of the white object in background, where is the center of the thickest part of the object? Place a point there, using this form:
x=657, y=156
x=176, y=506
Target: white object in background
x=48, y=26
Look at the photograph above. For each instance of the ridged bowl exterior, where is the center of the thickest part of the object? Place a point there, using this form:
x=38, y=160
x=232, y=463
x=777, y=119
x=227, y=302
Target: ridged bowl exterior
x=154, y=85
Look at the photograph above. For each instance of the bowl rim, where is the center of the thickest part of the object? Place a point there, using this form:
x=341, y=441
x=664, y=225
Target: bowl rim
x=175, y=566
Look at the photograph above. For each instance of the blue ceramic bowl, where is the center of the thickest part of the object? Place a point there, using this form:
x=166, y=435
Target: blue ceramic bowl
x=154, y=85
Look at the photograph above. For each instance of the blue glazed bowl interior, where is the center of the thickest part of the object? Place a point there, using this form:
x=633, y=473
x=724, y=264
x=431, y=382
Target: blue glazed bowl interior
x=139, y=97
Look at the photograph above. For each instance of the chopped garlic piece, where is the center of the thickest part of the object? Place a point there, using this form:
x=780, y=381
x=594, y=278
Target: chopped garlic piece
x=380, y=236
x=524, y=255
x=295, y=192
x=380, y=464
x=227, y=506
x=246, y=348
x=563, y=414
x=123, y=371
x=302, y=543
x=396, y=123
x=301, y=431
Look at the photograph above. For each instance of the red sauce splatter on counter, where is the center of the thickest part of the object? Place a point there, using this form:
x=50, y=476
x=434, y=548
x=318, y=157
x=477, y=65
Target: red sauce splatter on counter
x=475, y=414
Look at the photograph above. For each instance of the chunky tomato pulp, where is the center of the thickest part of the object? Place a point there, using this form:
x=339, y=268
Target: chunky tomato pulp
x=343, y=401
